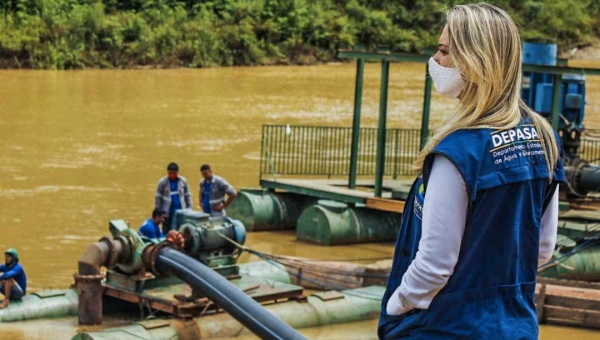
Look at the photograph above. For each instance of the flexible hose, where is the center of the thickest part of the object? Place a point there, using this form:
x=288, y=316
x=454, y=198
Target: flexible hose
x=227, y=296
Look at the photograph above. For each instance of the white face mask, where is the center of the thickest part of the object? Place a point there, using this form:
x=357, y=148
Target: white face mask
x=447, y=80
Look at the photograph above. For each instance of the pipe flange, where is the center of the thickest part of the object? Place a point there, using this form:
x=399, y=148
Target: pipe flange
x=88, y=278
x=150, y=254
x=191, y=237
x=572, y=173
x=113, y=253
x=126, y=242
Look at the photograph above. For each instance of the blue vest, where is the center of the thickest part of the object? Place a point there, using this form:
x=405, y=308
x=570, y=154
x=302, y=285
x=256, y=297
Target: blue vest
x=490, y=294
x=175, y=199
x=206, y=197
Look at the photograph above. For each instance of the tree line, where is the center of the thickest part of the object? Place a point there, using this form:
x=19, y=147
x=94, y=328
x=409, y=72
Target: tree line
x=74, y=34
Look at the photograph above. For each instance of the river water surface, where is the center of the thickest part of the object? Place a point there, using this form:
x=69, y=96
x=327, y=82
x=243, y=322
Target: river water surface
x=83, y=147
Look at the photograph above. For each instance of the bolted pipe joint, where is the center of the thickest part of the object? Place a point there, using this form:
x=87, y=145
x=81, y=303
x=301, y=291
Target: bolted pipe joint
x=89, y=294
x=150, y=256
x=104, y=253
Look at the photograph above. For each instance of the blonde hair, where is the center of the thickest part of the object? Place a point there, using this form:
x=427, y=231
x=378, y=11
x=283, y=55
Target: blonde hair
x=486, y=48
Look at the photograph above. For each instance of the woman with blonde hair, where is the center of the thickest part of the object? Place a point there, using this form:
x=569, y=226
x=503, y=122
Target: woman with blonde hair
x=483, y=213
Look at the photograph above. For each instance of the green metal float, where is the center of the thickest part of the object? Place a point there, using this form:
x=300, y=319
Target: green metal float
x=583, y=265
x=44, y=304
x=260, y=209
x=320, y=309
x=331, y=223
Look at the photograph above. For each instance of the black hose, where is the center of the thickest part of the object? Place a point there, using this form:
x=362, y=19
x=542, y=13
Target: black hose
x=222, y=292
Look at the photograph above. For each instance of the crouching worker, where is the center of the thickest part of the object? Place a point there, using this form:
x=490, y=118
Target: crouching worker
x=151, y=230
x=13, y=282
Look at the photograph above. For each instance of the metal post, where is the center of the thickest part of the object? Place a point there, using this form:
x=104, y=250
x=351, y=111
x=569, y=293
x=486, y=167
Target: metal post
x=360, y=68
x=396, y=153
x=426, y=108
x=555, y=115
x=383, y=95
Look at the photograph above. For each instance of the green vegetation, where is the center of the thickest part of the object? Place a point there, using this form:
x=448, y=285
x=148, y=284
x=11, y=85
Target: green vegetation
x=68, y=34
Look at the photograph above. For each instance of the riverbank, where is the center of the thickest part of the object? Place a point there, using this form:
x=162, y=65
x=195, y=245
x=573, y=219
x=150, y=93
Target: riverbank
x=78, y=34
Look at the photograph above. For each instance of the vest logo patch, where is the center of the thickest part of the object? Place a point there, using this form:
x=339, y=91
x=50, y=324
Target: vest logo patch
x=418, y=203
x=513, y=144
x=520, y=134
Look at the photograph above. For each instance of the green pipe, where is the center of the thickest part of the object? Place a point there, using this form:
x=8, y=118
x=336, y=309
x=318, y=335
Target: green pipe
x=583, y=265
x=331, y=222
x=576, y=229
x=360, y=68
x=319, y=309
x=426, y=109
x=555, y=115
x=383, y=98
x=319, y=275
x=266, y=270
x=263, y=210
x=45, y=304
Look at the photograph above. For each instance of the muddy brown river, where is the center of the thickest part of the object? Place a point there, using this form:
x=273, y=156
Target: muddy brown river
x=83, y=147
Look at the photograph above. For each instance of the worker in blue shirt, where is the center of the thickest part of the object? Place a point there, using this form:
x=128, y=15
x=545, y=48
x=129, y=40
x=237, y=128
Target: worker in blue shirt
x=13, y=282
x=151, y=228
x=172, y=194
x=213, y=190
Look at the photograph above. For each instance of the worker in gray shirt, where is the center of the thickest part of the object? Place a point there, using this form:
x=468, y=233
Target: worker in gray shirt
x=212, y=193
x=172, y=194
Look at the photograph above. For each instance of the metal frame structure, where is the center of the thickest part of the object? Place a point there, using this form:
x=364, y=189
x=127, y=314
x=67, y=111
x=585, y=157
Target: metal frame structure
x=385, y=59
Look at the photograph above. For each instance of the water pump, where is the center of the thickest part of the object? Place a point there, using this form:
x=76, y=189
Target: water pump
x=537, y=92
x=209, y=240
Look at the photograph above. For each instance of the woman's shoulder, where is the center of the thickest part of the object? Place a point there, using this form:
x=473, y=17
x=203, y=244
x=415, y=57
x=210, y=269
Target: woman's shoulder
x=466, y=139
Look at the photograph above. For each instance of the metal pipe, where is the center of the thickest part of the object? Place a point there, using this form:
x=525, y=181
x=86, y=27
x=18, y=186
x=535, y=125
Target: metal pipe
x=318, y=310
x=383, y=97
x=88, y=280
x=89, y=283
x=95, y=256
x=588, y=179
x=360, y=70
x=222, y=292
x=426, y=109
x=555, y=114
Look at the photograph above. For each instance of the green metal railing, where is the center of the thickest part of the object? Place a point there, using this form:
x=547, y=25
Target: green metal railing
x=325, y=151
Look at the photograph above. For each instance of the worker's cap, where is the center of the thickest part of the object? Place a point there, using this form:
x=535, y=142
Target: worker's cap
x=14, y=253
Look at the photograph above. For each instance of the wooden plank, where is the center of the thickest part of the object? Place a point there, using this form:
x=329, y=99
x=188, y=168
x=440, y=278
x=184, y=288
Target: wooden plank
x=324, y=192
x=153, y=304
x=588, y=215
x=163, y=299
x=573, y=292
x=569, y=283
x=385, y=204
x=321, y=188
x=572, y=302
x=562, y=322
x=540, y=300
x=572, y=316
x=316, y=185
